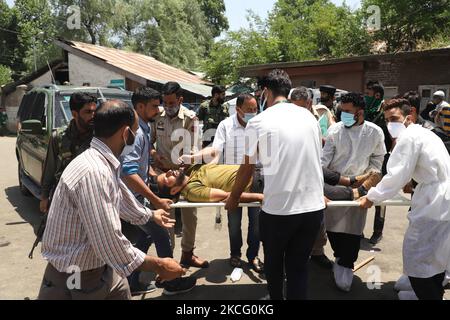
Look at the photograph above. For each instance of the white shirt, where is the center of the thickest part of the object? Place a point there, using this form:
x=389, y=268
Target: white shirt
x=421, y=155
x=352, y=152
x=230, y=140
x=286, y=140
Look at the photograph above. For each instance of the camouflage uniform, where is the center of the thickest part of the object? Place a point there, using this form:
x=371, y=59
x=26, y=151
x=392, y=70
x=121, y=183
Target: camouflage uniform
x=64, y=145
x=212, y=115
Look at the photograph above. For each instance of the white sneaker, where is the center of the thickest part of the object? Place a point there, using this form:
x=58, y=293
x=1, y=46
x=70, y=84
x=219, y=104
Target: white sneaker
x=343, y=277
x=403, y=284
x=407, y=295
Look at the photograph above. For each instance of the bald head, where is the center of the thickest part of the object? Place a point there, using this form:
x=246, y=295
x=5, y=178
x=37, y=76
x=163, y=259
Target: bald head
x=111, y=117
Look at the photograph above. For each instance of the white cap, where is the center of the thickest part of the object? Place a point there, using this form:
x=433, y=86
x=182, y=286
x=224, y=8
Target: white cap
x=439, y=93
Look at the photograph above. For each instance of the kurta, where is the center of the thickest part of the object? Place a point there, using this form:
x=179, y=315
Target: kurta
x=352, y=152
x=422, y=156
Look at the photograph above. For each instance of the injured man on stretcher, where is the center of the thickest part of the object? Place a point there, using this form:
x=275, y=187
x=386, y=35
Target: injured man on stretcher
x=213, y=183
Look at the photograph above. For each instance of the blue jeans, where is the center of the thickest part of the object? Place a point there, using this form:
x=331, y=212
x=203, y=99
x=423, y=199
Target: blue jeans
x=235, y=232
x=152, y=233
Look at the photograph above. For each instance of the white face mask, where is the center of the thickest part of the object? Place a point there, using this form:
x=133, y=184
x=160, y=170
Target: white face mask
x=396, y=128
x=128, y=147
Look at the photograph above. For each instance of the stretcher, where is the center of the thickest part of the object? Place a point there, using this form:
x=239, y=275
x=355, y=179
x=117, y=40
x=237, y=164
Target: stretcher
x=398, y=201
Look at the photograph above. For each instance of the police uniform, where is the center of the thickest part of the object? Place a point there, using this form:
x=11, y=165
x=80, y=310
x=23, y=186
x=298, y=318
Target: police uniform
x=185, y=127
x=212, y=115
x=164, y=127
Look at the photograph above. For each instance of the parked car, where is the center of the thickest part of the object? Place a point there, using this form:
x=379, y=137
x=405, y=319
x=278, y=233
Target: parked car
x=43, y=110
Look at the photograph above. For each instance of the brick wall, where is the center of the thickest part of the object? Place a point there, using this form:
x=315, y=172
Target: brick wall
x=410, y=73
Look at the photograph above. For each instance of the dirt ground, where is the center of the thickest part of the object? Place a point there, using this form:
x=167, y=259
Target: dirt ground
x=20, y=277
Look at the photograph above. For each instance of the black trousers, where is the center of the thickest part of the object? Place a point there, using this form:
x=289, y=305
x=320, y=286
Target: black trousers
x=428, y=288
x=287, y=242
x=380, y=212
x=346, y=247
x=331, y=190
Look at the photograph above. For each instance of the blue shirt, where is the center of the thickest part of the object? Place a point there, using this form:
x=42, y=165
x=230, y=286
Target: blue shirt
x=138, y=161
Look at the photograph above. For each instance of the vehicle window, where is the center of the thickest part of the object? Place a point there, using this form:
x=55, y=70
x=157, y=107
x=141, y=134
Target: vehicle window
x=62, y=111
x=38, y=109
x=63, y=115
x=126, y=99
x=26, y=107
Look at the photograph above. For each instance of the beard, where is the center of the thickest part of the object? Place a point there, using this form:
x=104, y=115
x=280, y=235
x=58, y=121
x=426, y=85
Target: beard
x=85, y=126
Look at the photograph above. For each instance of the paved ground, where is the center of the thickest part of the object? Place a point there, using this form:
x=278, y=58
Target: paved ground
x=20, y=277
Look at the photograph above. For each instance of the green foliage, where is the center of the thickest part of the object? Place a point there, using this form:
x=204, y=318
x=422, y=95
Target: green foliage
x=97, y=18
x=404, y=24
x=5, y=75
x=36, y=32
x=311, y=29
x=244, y=47
x=214, y=11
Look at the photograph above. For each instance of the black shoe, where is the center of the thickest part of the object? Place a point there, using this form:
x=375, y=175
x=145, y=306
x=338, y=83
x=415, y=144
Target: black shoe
x=179, y=233
x=179, y=285
x=141, y=288
x=376, y=237
x=256, y=265
x=322, y=261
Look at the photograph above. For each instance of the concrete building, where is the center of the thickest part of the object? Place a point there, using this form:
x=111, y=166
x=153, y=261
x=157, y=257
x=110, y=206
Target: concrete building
x=97, y=66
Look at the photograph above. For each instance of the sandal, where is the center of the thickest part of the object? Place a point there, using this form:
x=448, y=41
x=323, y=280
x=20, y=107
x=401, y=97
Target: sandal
x=235, y=262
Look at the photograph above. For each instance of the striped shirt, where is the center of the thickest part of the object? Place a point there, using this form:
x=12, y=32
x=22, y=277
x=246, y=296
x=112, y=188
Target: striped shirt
x=83, y=225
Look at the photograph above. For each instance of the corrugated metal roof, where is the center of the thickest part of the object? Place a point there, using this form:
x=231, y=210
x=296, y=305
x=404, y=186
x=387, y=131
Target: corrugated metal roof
x=140, y=65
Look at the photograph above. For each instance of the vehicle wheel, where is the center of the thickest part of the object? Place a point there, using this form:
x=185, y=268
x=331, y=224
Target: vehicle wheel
x=22, y=188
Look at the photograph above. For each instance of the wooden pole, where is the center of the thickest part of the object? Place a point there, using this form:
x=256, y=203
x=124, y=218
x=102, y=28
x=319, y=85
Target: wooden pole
x=363, y=263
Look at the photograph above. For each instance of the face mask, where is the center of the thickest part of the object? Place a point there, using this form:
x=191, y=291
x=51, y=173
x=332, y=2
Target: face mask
x=263, y=104
x=369, y=100
x=249, y=116
x=129, y=144
x=396, y=128
x=348, y=119
x=172, y=112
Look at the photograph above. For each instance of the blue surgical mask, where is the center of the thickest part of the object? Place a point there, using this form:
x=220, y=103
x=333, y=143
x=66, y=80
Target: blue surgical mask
x=249, y=116
x=348, y=119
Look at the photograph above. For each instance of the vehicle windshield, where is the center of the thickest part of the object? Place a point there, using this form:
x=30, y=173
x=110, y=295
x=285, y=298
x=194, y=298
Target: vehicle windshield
x=63, y=115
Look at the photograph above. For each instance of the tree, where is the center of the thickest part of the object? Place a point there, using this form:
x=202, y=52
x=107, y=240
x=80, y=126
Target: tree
x=404, y=26
x=10, y=55
x=254, y=45
x=214, y=11
x=312, y=29
x=96, y=19
x=172, y=31
x=5, y=75
x=37, y=30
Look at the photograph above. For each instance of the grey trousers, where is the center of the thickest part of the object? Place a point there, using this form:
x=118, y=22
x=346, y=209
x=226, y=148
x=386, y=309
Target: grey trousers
x=98, y=284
